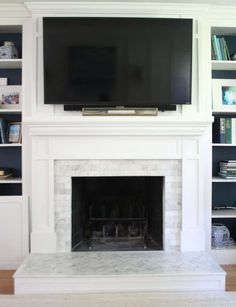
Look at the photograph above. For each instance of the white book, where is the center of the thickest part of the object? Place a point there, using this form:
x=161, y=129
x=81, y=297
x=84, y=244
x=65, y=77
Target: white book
x=233, y=130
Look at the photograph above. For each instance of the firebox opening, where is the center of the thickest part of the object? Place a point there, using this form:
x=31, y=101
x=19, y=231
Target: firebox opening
x=117, y=213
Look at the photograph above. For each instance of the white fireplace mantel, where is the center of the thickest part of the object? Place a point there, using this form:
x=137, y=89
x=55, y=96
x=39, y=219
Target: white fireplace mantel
x=124, y=125
x=119, y=139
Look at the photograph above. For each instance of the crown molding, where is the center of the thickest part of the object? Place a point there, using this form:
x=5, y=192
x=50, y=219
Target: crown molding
x=221, y=15
x=116, y=8
x=12, y=10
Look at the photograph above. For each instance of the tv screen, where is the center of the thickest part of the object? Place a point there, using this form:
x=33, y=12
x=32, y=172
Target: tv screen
x=109, y=62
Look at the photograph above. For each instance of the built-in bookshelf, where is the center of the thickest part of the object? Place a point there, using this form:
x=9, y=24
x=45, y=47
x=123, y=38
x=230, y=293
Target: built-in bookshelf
x=10, y=115
x=224, y=135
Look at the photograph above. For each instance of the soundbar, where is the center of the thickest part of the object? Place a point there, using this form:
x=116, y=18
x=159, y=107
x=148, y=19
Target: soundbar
x=119, y=111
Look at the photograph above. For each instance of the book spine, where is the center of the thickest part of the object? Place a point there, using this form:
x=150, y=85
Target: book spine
x=228, y=138
x=3, y=131
x=228, y=172
x=233, y=130
x=213, y=50
x=222, y=130
x=226, y=50
x=222, y=48
x=215, y=39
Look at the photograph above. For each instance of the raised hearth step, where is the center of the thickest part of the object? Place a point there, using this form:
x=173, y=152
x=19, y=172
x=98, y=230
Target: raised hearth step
x=81, y=272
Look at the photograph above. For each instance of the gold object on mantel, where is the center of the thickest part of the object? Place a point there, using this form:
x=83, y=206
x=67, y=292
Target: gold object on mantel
x=119, y=111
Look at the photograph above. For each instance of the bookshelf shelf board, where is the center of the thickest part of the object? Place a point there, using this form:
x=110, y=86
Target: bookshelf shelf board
x=11, y=145
x=11, y=180
x=219, y=179
x=223, y=145
x=11, y=29
x=230, y=247
x=10, y=64
x=224, y=213
x=223, y=65
x=216, y=112
x=5, y=111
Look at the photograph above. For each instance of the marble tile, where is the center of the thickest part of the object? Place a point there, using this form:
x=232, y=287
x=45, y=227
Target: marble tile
x=149, y=263
x=170, y=169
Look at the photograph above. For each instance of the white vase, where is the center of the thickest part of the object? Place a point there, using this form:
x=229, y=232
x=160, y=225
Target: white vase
x=8, y=51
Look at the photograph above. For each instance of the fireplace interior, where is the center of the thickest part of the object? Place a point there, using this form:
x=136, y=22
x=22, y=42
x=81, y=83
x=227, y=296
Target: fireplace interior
x=117, y=213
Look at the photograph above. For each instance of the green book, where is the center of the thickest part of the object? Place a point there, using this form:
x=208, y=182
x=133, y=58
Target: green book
x=228, y=130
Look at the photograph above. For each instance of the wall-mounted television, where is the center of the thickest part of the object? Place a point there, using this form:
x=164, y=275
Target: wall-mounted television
x=110, y=62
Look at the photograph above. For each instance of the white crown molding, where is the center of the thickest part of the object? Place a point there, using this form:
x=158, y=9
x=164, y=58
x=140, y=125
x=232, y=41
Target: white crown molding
x=116, y=8
x=223, y=14
x=13, y=10
x=112, y=126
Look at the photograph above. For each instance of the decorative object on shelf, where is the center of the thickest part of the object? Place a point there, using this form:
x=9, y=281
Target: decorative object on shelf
x=14, y=132
x=5, y=173
x=8, y=51
x=3, y=81
x=224, y=95
x=233, y=56
x=220, y=235
x=10, y=97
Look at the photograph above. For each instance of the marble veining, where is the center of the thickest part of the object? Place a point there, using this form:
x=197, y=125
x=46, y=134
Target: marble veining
x=131, y=263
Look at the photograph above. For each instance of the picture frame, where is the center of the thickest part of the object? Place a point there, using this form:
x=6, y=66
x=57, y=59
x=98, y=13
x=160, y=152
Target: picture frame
x=14, y=132
x=224, y=95
x=10, y=97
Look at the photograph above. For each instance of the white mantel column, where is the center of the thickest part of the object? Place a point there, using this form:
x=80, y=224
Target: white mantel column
x=43, y=235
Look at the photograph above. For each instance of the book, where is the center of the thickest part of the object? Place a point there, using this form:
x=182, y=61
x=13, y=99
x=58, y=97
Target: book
x=231, y=162
x=233, y=130
x=220, y=49
x=3, y=131
x=217, y=47
x=213, y=50
x=228, y=138
x=226, y=50
x=227, y=176
x=228, y=172
x=219, y=130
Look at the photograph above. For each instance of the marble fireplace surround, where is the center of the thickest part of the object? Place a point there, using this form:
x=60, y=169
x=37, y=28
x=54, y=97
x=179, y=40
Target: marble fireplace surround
x=169, y=169
x=96, y=147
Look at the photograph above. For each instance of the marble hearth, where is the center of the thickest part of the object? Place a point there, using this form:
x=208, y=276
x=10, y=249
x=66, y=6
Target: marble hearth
x=87, y=272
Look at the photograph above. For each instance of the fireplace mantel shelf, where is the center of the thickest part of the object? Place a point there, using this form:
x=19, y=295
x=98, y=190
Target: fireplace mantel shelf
x=118, y=126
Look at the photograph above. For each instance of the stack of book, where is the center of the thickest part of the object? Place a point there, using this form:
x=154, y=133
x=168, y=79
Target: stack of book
x=228, y=169
x=219, y=48
x=224, y=130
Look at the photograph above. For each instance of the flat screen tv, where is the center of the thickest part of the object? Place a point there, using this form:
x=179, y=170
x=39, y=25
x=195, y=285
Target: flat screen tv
x=110, y=62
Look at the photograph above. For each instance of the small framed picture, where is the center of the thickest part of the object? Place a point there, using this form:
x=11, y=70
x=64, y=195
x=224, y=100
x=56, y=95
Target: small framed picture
x=224, y=94
x=14, y=132
x=10, y=97
x=3, y=81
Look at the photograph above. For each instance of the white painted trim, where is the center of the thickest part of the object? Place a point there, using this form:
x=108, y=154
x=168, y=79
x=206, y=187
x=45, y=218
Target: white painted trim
x=99, y=284
x=11, y=10
x=116, y=8
x=17, y=204
x=118, y=126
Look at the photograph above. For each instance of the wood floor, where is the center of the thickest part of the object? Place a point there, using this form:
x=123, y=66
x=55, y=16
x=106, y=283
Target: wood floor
x=7, y=285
